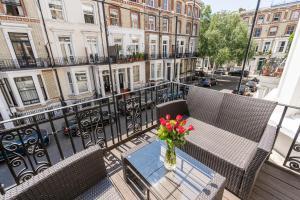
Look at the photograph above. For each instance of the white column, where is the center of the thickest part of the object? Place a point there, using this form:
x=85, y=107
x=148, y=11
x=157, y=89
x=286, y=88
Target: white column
x=117, y=81
x=101, y=83
x=289, y=85
x=131, y=78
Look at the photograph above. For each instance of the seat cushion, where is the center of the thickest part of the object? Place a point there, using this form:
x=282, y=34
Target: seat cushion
x=221, y=150
x=204, y=104
x=102, y=190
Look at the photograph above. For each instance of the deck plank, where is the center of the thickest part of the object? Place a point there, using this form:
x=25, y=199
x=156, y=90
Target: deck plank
x=272, y=183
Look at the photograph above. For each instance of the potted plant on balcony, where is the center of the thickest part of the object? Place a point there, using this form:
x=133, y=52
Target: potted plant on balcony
x=173, y=132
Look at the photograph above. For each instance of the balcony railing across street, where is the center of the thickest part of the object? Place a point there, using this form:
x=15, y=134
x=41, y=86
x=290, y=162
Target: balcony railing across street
x=36, y=142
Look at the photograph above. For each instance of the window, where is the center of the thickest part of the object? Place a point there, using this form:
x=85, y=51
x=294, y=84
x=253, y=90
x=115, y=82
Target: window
x=178, y=7
x=267, y=47
x=135, y=20
x=88, y=12
x=195, y=31
x=196, y=12
x=153, y=48
x=66, y=48
x=276, y=17
x=273, y=31
x=178, y=26
x=152, y=71
x=82, y=83
x=133, y=48
x=151, y=23
x=165, y=25
x=114, y=15
x=165, y=4
x=56, y=9
x=12, y=7
x=189, y=11
x=257, y=32
x=165, y=48
x=42, y=86
x=159, y=71
x=136, y=73
x=281, y=46
x=295, y=15
x=23, y=50
x=290, y=29
x=151, y=3
x=27, y=90
x=260, y=19
x=92, y=49
x=188, y=28
x=71, y=85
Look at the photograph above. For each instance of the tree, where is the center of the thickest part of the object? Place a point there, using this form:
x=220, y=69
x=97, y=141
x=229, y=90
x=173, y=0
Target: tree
x=225, y=40
x=204, y=24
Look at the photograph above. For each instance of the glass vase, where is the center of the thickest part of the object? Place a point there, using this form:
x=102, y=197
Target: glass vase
x=170, y=157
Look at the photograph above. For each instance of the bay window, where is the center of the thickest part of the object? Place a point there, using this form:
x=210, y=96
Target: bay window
x=27, y=90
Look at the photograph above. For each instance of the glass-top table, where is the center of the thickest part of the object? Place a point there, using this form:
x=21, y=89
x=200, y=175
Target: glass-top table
x=144, y=170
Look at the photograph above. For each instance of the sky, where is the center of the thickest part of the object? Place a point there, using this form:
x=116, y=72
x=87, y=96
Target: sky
x=234, y=5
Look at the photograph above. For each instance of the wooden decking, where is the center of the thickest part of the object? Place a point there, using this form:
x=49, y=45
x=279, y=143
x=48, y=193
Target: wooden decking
x=273, y=183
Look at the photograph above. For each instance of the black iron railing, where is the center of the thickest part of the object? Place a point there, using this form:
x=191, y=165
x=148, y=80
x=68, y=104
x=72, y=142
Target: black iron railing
x=32, y=143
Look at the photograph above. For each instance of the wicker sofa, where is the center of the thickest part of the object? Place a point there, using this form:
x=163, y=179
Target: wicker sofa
x=81, y=176
x=231, y=134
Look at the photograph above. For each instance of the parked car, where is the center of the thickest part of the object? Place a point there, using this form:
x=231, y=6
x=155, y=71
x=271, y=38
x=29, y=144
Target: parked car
x=238, y=73
x=252, y=86
x=73, y=123
x=208, y=82
x=244, y=90
x=17, y=146
x=220, y=72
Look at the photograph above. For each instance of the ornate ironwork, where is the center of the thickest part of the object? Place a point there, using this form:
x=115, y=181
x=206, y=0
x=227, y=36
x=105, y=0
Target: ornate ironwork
x=90, y=127
x=294, y=161
x=162, y=95
x=24, y=152
x=133, y=114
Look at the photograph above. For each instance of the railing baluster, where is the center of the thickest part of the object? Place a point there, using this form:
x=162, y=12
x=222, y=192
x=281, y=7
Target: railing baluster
x=54, y=132
x=152, y=105
x=68, y=128
x=125, y=114
x=117, y=116
x=79, y=127
x=101, y=115
x=146, y=107
x=140, y=110
x=110, y=121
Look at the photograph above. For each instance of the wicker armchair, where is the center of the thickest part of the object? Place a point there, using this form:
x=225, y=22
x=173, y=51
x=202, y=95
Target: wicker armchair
x=231, y=134
x=81, y=176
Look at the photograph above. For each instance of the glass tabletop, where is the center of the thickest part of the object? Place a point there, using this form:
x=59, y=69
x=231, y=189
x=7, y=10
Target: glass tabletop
x=189, y=179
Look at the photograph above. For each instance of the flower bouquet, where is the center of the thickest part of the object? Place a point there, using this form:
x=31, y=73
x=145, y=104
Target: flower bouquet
x=173, y=132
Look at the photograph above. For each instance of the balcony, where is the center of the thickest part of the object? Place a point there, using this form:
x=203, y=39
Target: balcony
x=117, y=125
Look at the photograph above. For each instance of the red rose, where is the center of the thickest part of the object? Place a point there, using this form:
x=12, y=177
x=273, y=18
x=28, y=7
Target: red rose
x=169, y=126
x=168, y=117
x=191, y=128
x=181, y=130
x=178, y=117
x=162, y=121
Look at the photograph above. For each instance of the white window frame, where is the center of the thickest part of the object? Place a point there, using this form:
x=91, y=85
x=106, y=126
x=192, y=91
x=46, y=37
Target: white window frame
x=136, y=73
x=165, y=5
x=293, y=15
x=62, y=9
x=151, y=3
x=269, y=47
x=151, y=21
x=279, y=46
x=167, y=27
x=137, y=22
x=78, y=81
x=93, y=12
